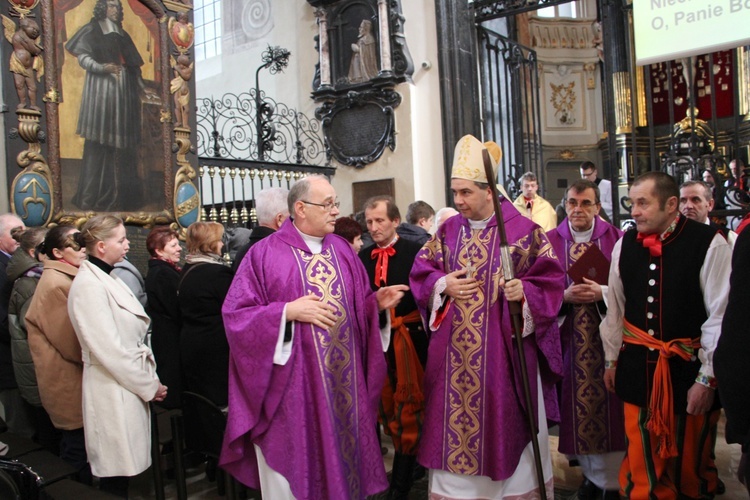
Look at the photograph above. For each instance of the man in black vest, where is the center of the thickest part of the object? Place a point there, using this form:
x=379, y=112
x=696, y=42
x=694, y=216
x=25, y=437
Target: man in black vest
x=667, y=295
x=388, y=262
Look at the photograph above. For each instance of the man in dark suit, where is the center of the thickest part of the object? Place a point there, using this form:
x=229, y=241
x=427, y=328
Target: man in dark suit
x=271, y=209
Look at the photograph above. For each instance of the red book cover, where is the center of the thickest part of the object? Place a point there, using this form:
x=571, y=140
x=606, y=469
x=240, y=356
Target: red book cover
x=592, y=265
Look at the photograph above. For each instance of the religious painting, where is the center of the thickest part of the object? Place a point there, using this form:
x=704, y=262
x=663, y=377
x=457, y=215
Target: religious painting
x=111, y=138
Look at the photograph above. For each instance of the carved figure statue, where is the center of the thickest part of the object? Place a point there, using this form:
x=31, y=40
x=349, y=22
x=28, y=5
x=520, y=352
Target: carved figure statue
x=25, y=59
x=364, y=63
x=183, y=71
x=598, y=39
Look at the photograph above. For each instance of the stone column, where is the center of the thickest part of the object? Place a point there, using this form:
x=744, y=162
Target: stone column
x=385, y=38
x=325, y=59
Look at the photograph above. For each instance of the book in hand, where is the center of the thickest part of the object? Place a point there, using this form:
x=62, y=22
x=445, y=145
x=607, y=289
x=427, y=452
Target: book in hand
x=592, y=265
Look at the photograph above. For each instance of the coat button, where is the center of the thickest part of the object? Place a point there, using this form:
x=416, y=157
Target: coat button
x=651, y=282
x=652, y=267
x=650, y=299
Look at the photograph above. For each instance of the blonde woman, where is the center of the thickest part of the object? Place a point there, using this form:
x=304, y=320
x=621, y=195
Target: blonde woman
x=119, y=376
x=203, y=285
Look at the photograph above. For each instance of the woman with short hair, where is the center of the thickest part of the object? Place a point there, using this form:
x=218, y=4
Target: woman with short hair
x=119, y=372
x=162, y=306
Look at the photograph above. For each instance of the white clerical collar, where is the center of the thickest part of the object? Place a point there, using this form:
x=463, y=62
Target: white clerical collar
x=109, y=26
x=393, y=242
x=582, y=236
x=707, y=221
x=480, y=224
x=314, y=243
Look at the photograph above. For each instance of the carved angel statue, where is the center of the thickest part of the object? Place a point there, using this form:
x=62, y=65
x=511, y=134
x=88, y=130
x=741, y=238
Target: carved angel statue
x=25, y=60
x=183, y=71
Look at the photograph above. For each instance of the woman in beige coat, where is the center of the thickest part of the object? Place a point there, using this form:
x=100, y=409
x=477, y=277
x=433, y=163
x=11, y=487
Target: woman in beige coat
x=119, y=376
x=54, y=346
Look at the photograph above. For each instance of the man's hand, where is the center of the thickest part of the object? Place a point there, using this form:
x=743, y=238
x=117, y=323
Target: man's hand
x=390, y=296
x=309, y=309
x=513, y=290
x=458, y=287
x=161, y=393
x=699, y=399
x=112, y=69
x=585, y=293
x=609, y=379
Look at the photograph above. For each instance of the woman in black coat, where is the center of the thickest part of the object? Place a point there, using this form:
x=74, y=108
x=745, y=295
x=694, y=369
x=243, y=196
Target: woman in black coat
x=162, y=307
x=204, y=284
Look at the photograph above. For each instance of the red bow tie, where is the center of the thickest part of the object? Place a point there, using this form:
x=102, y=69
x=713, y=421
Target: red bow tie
x=381, y=266
x=652, y=242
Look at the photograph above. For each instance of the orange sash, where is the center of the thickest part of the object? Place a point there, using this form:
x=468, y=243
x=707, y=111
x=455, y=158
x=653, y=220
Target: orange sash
x=661, y=407
x=409, y=371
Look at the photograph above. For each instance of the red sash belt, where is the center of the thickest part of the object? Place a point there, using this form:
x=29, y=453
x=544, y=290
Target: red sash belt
x=409, y=371
x=661, y=407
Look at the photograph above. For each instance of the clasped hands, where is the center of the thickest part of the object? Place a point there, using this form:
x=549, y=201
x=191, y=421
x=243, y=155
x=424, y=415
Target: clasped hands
x=458, y=286
x=310, y=308
x=161, y=393
x=585, y=293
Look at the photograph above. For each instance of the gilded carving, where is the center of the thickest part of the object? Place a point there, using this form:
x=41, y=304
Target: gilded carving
x=26, y=63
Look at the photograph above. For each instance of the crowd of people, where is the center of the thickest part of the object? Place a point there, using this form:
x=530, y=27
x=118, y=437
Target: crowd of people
x=325, y=328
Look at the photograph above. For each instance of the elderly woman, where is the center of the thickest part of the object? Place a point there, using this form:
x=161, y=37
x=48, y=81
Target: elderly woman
x=161, y=291
x=54, y=346
x=119, y=375
x=204, y=284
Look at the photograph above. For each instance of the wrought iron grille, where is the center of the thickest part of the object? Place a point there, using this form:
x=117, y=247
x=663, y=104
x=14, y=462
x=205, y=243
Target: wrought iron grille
x=510, y=106
x=228, y=129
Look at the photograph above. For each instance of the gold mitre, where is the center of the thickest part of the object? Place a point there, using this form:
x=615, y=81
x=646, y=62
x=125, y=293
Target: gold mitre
x=467, y=159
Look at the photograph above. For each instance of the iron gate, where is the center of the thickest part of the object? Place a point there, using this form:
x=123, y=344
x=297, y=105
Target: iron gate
x=510, y=106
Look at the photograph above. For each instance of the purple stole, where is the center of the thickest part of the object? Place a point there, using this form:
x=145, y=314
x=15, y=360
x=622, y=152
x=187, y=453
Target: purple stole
x=314, y=417
x=474, y=421
x=591, y=418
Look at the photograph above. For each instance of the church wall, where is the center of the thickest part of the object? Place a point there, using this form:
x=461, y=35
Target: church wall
x=570, y=87
x=416, y=165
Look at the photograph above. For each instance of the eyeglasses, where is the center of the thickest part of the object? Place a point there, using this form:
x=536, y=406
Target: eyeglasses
x=584, y=204
x=327, y=206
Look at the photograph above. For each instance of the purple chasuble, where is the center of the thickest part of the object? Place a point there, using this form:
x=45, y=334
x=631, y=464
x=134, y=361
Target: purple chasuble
x=475, y=420
x=591, y=417
x=314, y=417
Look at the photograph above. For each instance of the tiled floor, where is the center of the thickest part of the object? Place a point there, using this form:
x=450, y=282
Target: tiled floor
x=567, y=479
